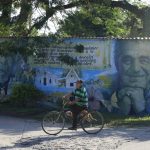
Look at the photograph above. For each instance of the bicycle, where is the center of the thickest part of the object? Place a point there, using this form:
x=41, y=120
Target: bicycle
x=92, y=122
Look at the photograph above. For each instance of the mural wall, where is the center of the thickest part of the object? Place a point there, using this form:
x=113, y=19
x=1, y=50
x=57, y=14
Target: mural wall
x=132, y=59
x=116, y=72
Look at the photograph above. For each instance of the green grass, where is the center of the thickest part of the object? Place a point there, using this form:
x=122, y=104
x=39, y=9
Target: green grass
x=110, y=118
x=119, y=120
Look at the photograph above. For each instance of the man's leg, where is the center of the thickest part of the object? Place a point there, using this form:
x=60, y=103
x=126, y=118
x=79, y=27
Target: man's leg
x=78, y=110
x=75, y=116
x=75, y=111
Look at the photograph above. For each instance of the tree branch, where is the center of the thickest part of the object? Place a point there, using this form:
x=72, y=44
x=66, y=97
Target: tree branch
x=121, y=4
x=25, y=11
x=51, y=11
x=127, y=6
x=6, y=7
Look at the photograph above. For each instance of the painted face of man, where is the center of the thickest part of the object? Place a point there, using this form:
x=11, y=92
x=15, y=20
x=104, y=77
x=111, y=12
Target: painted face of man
x=134, y=64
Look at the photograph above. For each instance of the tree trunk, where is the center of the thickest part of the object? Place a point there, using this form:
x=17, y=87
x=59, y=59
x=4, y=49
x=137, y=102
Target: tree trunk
x=146, y=23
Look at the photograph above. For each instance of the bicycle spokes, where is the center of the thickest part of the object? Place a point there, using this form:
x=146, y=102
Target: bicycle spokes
x=53, y=123
x=93, y=122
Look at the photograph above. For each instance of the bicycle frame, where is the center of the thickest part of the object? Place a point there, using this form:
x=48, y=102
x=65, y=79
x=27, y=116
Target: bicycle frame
x=64, y=114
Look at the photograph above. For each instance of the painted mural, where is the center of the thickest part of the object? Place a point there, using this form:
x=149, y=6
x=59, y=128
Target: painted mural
x=116, y=72
x=132, y=59
x=13, y=70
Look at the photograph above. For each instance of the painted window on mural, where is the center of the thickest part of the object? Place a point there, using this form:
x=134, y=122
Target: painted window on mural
x=45, y=81
x=50, y=80
x=71, y=84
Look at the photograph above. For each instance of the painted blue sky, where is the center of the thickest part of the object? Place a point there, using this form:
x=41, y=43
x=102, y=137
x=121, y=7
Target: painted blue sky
x=86, y=74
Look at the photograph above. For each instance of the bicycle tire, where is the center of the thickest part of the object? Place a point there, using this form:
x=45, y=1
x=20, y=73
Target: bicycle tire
x=89, y=124
x=53, y=120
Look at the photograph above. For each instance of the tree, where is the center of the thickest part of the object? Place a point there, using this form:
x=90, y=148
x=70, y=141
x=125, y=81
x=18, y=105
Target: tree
x=142, y=12
x=100, y=21
x=24, y=24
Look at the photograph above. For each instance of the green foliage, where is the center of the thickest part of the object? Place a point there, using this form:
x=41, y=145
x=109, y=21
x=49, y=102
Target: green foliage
x=99, y=21
x=24, y=46
x=26, y=23
x=112, y=119
x=134, y=25
x=4, y=30
x=16, y=30
x=25, y=95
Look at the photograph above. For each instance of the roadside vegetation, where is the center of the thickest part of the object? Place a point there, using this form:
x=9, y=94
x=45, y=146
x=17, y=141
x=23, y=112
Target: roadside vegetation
x=111, y=119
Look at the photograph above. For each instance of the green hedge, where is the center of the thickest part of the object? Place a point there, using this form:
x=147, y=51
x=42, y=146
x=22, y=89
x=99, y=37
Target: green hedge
x=25, y=95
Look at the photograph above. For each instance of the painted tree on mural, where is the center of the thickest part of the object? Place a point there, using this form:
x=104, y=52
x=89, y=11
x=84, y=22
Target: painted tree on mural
x=23, y=24
x=14, y=56
x=8, y=67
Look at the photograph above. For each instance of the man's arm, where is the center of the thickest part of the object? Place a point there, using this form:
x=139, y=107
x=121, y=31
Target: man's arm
x=73, y=102
x=67, y=95
x=136, y=96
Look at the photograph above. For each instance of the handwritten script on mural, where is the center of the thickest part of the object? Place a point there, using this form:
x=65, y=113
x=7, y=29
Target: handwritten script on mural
x=92, y=57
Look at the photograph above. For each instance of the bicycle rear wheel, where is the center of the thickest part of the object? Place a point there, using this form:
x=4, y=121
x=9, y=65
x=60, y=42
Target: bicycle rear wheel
x=53, y=123
x=93, y=122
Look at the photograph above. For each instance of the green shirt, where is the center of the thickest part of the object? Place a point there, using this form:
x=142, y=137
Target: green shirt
x=81, y=94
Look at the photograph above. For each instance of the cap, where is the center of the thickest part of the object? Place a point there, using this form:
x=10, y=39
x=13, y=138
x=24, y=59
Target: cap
x=79, y=81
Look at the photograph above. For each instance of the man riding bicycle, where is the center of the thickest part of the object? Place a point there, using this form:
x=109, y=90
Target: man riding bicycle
x=79, y=102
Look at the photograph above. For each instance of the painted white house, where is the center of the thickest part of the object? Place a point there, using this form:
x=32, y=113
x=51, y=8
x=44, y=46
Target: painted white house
x=71, y=78
x=47, y=78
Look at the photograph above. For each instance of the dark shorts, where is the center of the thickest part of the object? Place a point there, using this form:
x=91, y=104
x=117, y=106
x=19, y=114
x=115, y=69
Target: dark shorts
x=78, y=108
x=75, y=106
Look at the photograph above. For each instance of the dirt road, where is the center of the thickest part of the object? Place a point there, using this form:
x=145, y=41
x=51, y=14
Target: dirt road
x=23, y=134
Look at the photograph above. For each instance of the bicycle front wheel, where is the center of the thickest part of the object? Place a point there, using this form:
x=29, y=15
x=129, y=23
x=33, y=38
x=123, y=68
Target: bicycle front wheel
x=53, y=123
x=93, y=122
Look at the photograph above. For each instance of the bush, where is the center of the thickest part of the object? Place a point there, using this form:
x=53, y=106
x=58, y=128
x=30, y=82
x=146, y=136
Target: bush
x=25, y=95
